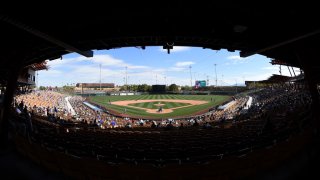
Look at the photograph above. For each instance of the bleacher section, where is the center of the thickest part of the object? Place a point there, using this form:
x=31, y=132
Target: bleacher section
x=273, y=119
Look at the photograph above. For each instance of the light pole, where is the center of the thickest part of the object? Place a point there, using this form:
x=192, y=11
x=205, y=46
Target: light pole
x=222, y=80
x=126, y=78
x=128, y=85
x=190, y=76
x=156, y=79
x=100, y=77
x=236, y=87
x=215, y=70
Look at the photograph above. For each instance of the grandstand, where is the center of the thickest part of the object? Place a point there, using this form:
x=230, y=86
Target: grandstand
x=223, y=107
x=95, y=88
x=27, y=76
x=219, y=136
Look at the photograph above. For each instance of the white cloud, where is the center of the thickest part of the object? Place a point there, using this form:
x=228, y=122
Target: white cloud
x=64, y=61
x=179, y=66
x=228, y=81
x=176, y=49
x=104, y=60
x=180, y=48
x=236, y=60
x=185, y=63
x=81, y=69
x=50, y=72
x=235, y=57
x=177, y=69
x=137, y=67
x=56, y=62
x=107, y=60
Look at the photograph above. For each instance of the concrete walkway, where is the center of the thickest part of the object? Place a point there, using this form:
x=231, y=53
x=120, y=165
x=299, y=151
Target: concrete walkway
x=249, y=102
x=70, y=108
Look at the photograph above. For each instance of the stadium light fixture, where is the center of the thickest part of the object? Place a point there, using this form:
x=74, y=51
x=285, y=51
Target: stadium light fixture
x=168, y=46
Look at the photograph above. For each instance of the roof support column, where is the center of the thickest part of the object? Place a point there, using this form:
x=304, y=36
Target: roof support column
x=5, y=108
x=305, y=58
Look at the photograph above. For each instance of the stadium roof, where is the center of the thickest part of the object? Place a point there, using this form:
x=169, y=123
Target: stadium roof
x=290, y=33
x=95, y=85
x=39, y=66
x=275, y=78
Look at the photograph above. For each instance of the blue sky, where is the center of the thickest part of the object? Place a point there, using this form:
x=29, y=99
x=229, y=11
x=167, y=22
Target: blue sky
x=154, y=65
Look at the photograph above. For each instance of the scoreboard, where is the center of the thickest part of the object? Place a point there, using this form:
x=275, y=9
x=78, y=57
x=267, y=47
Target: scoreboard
x=201, y=83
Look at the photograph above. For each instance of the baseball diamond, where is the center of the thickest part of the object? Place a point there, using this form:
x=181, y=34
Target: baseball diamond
x=148, y=106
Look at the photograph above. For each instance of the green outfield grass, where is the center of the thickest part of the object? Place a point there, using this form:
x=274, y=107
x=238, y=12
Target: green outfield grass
x=213, y=100
x=153, y=105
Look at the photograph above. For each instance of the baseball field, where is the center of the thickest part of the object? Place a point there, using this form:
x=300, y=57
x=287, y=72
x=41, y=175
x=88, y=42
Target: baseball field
x=159, y=106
